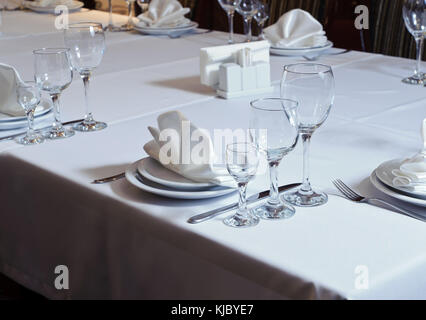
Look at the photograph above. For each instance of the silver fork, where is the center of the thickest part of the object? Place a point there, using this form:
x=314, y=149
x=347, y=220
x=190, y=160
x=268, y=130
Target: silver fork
x=355, y=197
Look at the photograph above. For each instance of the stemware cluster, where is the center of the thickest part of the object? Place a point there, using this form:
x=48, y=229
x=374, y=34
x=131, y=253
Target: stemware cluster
x=276, y=124
x=53, y=73
x=248, y=9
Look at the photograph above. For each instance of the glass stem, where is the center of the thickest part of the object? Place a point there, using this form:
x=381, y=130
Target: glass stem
x=57, y=125
x=30, y=118
x=231, y=27
x=249, y=19
x=88, y=118
x=261, y=35
x=306, y=185
x=419, y=47
x=110, y=14
x=130, y=8
x=273, y=174
x=242, y=203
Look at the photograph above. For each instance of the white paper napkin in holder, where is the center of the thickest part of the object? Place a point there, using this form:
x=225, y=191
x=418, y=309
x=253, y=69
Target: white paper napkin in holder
x=211, y=58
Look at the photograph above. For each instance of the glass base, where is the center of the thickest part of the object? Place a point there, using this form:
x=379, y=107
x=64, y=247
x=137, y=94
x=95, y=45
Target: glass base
x=416, y=80
x=31, y=140
x=238, y=221
x=275, y=212
x=90, y=126
x=59, y=133
x=113, y=28
x=301, y=198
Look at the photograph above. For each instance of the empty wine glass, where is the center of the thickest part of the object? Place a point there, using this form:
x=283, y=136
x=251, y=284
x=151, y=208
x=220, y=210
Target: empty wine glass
x=53, y=74
x=131, y=9
x=229, y=6
x=28, y=95
x=242, y=160
x=248, y=9
x=261, y=17
x=274, y=131
x=143, y=4
x=414, y=14
x=86, y=41
x=312, y=85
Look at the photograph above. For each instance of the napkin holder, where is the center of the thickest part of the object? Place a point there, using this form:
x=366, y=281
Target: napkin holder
x=237, y=70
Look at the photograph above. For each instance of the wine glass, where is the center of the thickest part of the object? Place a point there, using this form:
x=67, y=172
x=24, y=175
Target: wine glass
x=414, y=14
x=111, y=27
x=261, y=17
x=229, y=6
x=28, y=95
x=248, y=9
x=86, y=41
x=312, y=85
x=143, y=4
x=53, y=74
x=131, y=9
x=242, y=160
x=274, y=131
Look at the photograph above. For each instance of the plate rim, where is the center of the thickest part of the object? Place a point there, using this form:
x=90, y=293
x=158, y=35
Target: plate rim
x=177, y=185
x=328, y=44
x=383, y=188
x=192, y=25
x=185, y=195
x=36, y=115
x=78, y=5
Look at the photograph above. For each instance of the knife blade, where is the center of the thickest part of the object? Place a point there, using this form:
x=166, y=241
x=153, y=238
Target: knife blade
x=21, y=133
x=250, y=200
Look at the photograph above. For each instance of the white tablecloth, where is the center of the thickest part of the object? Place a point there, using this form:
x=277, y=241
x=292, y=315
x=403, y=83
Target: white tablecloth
x=120, y=242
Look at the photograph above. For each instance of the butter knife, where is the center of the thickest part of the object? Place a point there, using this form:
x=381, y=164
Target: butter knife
x=252, y=199
x=13, y=136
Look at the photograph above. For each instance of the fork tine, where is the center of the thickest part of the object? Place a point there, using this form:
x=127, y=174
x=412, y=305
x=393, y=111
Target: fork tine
x=342, y=191
x=353, y=193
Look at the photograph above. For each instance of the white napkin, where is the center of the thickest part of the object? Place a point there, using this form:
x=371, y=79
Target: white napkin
x=10, y=4
x=412, y=172
x=163, y=13
x=50, y=3
x=296, y=29
x=9, y=78
x=196, y=169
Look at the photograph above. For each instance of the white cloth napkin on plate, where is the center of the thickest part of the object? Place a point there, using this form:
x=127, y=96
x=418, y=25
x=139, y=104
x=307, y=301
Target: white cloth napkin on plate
x=10, y=4
x=412, y=172
x=296, y=29
x=49, y=3
x=173, y=137
x=163, y=13
x=9, y=79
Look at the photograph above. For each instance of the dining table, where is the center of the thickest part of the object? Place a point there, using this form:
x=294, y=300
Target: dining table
x=119, y=242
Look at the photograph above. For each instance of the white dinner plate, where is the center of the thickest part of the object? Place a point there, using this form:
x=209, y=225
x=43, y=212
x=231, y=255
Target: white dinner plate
x=154, y=171
x=74, y=6
x=140, y=182
x=175, y=32
x=385, y=175
x=300, y=51
x=393, y=192
x=8, y=123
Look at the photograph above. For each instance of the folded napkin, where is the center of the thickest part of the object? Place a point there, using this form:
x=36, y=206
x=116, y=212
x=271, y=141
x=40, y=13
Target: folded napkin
x=9, y=79
x=412, y=172
x=10, y=4
x=177, y=131
x=50, y=3
x=296, y=29
x=163, y=13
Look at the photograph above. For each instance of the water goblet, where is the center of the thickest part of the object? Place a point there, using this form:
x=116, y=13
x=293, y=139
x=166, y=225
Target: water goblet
x=312, y=85
x=28, y=95
x=261, y=17
x=53, y=74
x=86, y=41
x=274, y=131
x=248, y=9
x=414, y=14
x=229, y=6
x=242, y=160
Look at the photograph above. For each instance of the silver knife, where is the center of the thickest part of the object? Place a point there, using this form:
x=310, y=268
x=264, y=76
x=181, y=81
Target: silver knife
x=252, y=199
x=21, y=133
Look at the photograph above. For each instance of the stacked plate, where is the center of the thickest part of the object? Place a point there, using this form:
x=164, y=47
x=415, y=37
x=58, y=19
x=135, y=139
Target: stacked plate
x=74, y=6
x=382, y=179
x=10, y=123
x=172, y=32
x=292, y=52
x=150, y=176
